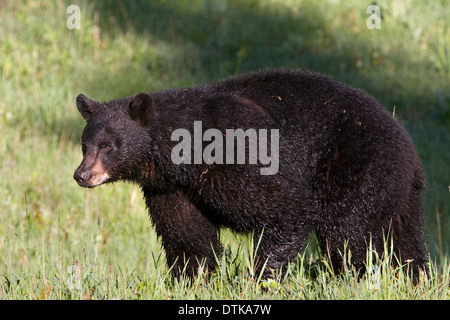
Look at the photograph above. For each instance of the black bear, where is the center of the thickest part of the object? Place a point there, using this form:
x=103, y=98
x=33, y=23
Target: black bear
x=280, y=153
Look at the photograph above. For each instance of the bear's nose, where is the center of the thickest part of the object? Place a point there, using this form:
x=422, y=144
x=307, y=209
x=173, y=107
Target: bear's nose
x=81, y=177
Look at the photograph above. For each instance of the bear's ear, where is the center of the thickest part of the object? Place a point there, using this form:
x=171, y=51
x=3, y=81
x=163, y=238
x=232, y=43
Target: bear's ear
x=86, y=106
x=140, y=107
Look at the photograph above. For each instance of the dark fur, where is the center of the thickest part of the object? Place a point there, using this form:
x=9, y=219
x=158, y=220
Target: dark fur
x=348, y=171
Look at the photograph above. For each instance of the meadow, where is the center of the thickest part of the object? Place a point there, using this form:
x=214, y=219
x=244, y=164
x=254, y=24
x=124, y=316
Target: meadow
x=60, y=241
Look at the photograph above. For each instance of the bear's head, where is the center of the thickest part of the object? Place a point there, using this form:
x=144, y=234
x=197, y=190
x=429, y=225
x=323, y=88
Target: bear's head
x=116, y=144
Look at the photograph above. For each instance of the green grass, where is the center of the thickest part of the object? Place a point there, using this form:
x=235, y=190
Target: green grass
x=52, y=231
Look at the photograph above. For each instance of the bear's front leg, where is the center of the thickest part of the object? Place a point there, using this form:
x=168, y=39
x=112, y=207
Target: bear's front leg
x=188, y=237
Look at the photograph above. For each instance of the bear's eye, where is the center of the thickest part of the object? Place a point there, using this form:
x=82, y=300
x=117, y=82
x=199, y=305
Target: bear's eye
x=83, y=149
x=105, y=146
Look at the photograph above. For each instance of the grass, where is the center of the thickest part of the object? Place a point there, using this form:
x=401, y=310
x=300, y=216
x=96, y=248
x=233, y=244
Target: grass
x=58, y=241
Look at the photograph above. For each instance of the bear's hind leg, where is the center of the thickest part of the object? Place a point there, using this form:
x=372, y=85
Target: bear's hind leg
x=407, y=233
x=344, y=246
x=189, y=239
x=276, y=247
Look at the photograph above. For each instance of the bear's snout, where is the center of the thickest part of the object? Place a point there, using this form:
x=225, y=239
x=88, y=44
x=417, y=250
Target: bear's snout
x=91, y=173
x=82, y=177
